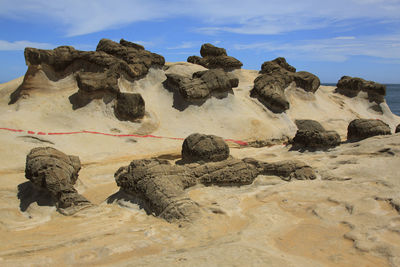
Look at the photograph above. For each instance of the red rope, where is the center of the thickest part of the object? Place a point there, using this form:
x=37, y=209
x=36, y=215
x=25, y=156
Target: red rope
x=242, y=143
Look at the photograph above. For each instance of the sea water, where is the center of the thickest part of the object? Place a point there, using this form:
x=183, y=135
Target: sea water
x=392, y=96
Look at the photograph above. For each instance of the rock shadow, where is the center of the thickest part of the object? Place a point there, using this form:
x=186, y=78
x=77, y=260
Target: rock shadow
x=28, y=193
x=124, y=199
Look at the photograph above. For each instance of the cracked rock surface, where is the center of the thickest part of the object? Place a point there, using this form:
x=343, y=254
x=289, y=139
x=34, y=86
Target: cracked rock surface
x=56, y=172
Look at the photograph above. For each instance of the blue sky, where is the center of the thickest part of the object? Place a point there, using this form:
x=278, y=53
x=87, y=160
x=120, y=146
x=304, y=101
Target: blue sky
x=328, y=38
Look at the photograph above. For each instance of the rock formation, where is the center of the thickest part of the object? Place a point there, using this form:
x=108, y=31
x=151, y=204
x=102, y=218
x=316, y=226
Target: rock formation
x=129, y=107
x=161, y=185
x=360, y=129
x=312, y=136
x=350, y=87
x=56, y=172
x=215, y=57
x=202, y=85
x=201, y=147
x=97, y=72
x=276, y=76
x=397, y=129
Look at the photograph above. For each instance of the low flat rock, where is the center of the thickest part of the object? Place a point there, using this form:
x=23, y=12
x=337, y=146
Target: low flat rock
x=360, y=129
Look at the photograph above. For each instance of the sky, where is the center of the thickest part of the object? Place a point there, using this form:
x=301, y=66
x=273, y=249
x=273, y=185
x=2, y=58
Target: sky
x=328, y=38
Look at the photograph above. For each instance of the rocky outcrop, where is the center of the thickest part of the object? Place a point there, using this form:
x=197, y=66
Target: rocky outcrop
x=397, y=129
x=202, y=85
x=312, y=136
x=56, y=172
x=360, y=129
x=161, y=185
x=276, y=76
x=97, y=72
x=350, y=87
x=215, y=57
x=201, y=147
x=129, y=107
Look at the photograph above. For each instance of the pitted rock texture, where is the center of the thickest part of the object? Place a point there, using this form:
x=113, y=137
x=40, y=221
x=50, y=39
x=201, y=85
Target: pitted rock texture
x=201, y=147
x=360, y=129
x=161, y=185
x=215, y=57
x=56, y=172
x=276, y=76
x=350, y=87
x=312, y=136
x=129, y=107
x=97, y=72
x=202, y=85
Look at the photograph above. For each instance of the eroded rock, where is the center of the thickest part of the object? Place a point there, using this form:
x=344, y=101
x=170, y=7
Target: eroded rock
x=56, y=172
x=397, y=129
x=129, y=107
x=312, y=136
x=215, y=57
x=97, y=72
x=202, y=85
x=276, y=76
x=201, y=147
x=161, y=185
x=360, y=129
x=350, y=87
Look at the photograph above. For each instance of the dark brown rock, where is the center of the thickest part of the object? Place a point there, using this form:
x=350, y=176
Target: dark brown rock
x=204, y=148
x=202, y=85
x=397, y=129
x=214, y=58
x=161, y=185
x=56, y=172
x=312, y=136
x=276, y=76
x=129, y=107
x=360, y=129
x=350, y=87
x=97, y=72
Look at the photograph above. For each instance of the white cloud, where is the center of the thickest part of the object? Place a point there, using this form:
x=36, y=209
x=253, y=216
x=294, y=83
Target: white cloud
x=335, y=49
x=345, y=38
x=185, y=45
x=237, y=16
x=20, y=45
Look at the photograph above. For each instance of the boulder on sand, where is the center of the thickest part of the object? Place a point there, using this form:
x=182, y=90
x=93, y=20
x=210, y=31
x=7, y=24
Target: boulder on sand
x=56, y=172
x=201, y=147
x=360, y=129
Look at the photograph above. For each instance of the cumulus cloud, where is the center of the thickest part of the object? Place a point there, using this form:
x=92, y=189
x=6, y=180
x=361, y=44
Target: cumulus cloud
x=237, y=16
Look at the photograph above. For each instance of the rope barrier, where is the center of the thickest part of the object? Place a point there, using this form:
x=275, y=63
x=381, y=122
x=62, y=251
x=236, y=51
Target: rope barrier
x=242, y=143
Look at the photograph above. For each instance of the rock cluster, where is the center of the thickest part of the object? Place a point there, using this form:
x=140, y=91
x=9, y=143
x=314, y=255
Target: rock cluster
x=97, y=72
x=202, y=85
x=360, y=129
x=56, y=172
x=276, y=76
x=161, y=184
x=215, y=57
x=350, y=87
x=312, y=136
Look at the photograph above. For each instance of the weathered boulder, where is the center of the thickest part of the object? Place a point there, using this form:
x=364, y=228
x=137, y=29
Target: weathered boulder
x=397, y=129
x=56, y=172
x=350, y=87
x=276, y=76
x=309, y=125
x=215, y=57
x=97, y=72
x=200, y=147
x=129, y=107
x=202, y=85
x=360, y=129
x=161, y=185
x=312, y=136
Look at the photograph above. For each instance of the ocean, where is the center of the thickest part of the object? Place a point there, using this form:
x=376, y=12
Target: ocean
x=392, y=96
